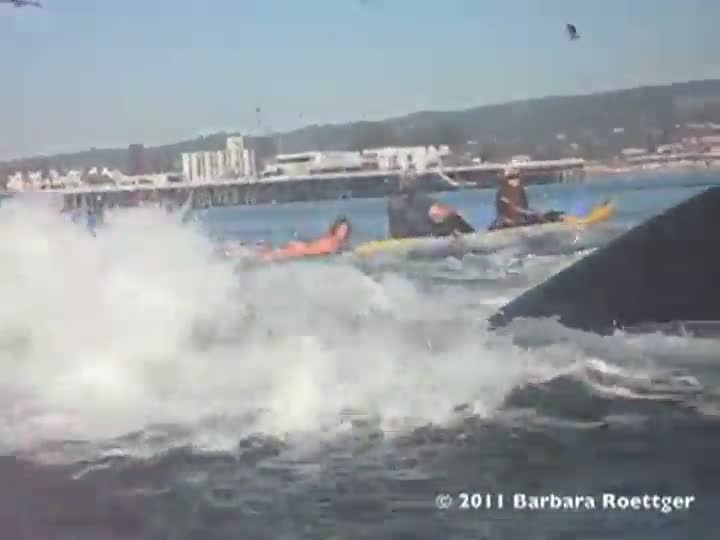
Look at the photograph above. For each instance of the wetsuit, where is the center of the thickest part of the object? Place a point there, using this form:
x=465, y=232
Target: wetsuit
x=511, y=205
x=512, y=209
x=409, y=217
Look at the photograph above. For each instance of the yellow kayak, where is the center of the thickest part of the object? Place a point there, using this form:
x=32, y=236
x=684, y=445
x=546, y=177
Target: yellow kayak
x=483, y=240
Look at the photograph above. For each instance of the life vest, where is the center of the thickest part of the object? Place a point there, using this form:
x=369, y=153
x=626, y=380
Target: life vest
x=510, y=201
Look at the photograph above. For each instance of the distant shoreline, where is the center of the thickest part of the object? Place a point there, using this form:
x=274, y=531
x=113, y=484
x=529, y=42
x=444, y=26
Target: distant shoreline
x=599, y=170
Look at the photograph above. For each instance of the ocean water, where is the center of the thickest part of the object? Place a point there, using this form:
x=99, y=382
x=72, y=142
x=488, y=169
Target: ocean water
x=151, y=390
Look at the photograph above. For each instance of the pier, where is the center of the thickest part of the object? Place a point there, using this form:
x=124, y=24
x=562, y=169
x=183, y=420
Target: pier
x=316, y=187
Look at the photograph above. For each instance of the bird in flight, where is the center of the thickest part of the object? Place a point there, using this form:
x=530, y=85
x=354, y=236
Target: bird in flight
x=21, y=3
x=572, y=32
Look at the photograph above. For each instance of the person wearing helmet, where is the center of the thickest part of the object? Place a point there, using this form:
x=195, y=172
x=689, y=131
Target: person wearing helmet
x=511, y=204
x=412, y=214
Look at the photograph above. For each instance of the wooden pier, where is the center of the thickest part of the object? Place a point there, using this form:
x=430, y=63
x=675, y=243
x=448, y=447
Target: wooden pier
x=277, y=190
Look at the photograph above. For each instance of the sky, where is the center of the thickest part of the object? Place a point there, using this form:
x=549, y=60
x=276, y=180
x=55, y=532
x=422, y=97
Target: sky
x=89, y=73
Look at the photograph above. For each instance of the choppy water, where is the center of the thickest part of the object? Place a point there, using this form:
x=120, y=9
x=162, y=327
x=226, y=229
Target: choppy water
x=149, y=391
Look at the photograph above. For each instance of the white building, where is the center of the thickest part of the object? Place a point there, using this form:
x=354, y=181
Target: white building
x=406, y=157
x=235, y=154
x=187, y=165
x=418, y=158
x=633, y=152
x=73, y=177
x=249, y=168
x=15, y=182
x=39, y=180
x=28, y=181
x=672, y=148
x=236, y=161
x=305, y=163
x=709, y=140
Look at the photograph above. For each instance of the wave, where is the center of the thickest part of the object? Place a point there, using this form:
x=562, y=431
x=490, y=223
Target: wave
x=142, y=339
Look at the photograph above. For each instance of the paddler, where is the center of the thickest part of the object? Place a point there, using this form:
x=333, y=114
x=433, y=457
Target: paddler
x=412, y=214
x=511, y=204
x=333, y=241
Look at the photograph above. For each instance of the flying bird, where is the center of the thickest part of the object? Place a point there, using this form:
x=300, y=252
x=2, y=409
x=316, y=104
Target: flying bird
x=22, y=3
x=572, y=32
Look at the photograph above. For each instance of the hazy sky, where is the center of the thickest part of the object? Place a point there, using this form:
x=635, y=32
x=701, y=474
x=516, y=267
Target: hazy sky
x=84, y=73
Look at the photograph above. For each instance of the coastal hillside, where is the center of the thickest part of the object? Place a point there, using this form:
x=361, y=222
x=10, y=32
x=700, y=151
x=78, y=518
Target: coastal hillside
x=592, y=126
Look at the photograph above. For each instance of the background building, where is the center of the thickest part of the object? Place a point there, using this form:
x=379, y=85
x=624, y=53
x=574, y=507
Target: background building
x=236, y=161
x=406, y=157
x=136, y=160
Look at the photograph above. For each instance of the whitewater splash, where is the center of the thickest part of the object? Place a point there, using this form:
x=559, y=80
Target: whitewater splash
x=145, y=325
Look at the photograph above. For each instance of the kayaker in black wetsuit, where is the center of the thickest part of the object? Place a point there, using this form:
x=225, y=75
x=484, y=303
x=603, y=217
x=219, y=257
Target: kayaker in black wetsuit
x=412, y=214
x=511, y=204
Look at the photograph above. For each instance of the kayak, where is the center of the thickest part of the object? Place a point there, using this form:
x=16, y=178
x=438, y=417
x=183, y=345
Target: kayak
x=483, y=241
x=477, y=242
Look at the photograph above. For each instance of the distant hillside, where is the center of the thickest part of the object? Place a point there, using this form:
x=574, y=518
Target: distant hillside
x=544, y=127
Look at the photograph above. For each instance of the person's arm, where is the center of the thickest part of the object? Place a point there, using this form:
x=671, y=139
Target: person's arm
x=502, y=203
x=499, y=205
x=393, y=226
x=450, y=218
x=461, y=226
x=524, y=199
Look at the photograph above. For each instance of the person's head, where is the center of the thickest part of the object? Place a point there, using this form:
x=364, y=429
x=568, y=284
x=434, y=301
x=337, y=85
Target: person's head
x=511, y=176
x=341, y=228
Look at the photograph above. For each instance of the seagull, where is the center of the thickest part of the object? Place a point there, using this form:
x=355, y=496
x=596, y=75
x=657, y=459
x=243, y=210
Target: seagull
x=572, y=32
x=22, y=3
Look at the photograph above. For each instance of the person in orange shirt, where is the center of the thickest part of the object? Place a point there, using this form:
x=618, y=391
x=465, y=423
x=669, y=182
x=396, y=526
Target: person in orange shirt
x=332, y=241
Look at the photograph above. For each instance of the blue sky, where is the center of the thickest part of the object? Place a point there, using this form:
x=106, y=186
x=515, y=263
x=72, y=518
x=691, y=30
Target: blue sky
x=84, y=73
